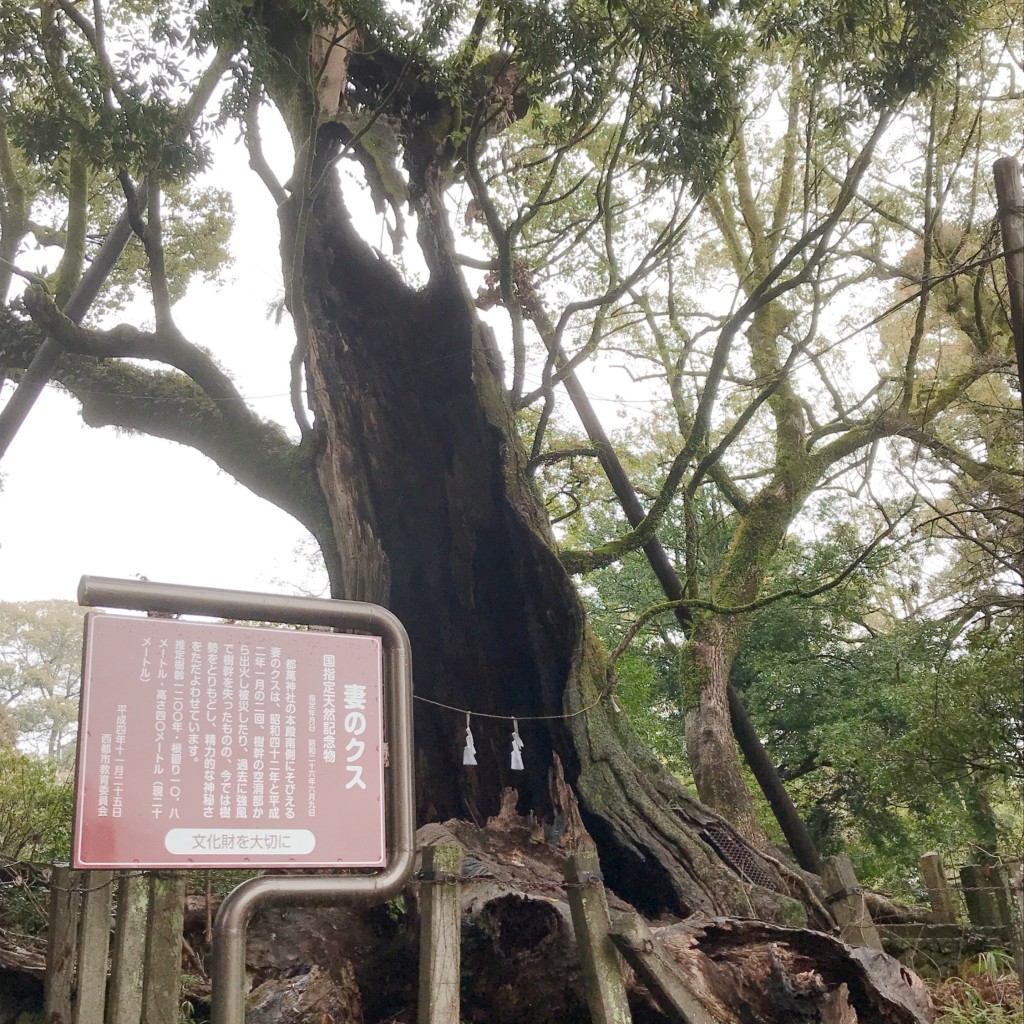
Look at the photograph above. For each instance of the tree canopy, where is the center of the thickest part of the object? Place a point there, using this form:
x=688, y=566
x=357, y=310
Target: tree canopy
x=779, y=217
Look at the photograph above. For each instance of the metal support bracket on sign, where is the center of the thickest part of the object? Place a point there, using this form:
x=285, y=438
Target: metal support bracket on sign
x=228, y=1002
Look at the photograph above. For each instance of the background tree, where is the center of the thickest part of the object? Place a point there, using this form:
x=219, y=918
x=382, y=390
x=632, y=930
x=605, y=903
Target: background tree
x=36, y=799
x=770, y=410
x=892, y=717
x=41, y=674
x=894, y=741
x=585, y=141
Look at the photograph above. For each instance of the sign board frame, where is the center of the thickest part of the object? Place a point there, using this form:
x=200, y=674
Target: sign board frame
x=362, y=619
x=215, y=745
x=228, y=1003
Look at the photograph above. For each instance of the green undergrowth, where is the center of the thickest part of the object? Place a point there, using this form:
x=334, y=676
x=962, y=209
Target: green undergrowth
x=986, y=991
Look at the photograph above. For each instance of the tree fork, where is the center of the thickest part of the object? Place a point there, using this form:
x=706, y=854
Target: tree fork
x=84, y=294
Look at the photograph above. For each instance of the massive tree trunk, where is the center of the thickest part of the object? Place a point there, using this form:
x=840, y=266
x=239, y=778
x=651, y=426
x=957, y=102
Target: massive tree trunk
x=433, y=515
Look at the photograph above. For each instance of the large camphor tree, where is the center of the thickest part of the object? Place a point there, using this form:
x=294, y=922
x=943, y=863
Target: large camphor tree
x=556, y=162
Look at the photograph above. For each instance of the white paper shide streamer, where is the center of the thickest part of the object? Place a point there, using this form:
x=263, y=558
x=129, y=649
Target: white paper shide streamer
x=517, y=748
x=469, y=754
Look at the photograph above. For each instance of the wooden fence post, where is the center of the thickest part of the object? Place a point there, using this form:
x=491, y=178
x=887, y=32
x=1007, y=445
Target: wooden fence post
x=657, y=969
x=602, y=970
x=93, y=948
x=161, y=986
x=982, y=909
x=127, y=958
x=61, y=946
x=938, y=888
x=440, y=934
x=1015, y=896
x=847, y=901
x=1009, y=914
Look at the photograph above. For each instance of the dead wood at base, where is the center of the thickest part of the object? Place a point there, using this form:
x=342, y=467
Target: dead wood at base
x=315, y=997
x=22, y=954
x=747, y=971
x=885, y=910
x=520, y=963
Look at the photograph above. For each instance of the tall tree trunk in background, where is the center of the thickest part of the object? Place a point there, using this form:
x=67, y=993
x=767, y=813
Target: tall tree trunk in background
x=710, y=743
x=983, y=819
x=715, y=642
x=1010, y=196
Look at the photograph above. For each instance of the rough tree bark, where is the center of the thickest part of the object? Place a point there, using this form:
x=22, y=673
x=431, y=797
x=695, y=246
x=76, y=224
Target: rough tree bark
x=433, y=515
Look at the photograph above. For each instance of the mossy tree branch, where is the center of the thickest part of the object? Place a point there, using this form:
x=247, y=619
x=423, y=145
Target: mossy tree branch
x=763, y=309
x=194, y=404
x=168, y=346
x=72, y=262
x=14, y=211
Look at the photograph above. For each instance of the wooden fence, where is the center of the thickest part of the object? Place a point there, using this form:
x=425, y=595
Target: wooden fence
x=114, y=949
x=604, y=946
x=990, y=894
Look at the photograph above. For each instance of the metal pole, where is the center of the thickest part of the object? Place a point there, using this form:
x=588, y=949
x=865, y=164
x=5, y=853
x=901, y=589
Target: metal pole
x=1010, y=199
x=228, y=1003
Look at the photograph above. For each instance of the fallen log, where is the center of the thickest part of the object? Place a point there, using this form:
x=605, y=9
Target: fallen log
x=520, y=961
x=747, y=971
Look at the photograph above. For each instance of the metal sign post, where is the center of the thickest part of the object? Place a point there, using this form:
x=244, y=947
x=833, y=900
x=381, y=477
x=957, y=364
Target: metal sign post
x=192, y=841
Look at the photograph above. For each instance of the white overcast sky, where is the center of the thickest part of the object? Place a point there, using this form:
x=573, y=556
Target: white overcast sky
x=75, y=501
x=78, y=501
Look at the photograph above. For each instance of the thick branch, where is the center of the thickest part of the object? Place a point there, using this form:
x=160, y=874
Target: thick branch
x=913, y=425
x=642, y=534
x=989, y=477
x=696, y=604
x=195, y=404
x=13, y=209
x=73, y=260
x=125, y=341
x=256, y=453
x=18, y=407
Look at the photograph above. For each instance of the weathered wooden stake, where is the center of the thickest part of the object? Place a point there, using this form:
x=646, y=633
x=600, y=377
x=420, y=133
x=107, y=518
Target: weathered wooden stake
x=61, y=946
x=982, y=909
x=93, y=948
x=1015, y=908
x=161, y=986
x=846, y=898
x=1015, y=892
x=127, y=957
x=938, y=888
x=657, y=969
x=602, y=969
x=1009, y=914
x=440, y=934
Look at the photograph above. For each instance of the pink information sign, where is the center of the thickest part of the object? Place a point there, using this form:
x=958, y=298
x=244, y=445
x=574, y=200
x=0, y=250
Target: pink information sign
x=208, y=745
